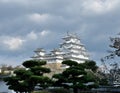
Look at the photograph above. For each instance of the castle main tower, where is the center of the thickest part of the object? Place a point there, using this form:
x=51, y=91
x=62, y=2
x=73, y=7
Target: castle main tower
x=73, y=49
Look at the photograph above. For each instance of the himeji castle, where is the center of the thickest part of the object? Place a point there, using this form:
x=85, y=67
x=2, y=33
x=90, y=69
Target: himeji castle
x=70, y=49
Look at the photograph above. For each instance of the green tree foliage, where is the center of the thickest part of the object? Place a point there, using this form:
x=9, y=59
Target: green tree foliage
x=76, y=75
x=90, y=65
x=20, y=82
x=26, y=79
x=30, y=63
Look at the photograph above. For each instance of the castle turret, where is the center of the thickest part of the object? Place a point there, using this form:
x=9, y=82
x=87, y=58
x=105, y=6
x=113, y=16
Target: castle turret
x=39, y=54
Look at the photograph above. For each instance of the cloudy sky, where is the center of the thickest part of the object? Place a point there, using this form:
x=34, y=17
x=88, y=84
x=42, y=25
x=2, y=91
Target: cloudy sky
x=28, y=24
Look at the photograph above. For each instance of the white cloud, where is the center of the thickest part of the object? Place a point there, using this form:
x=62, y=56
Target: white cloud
x=46, y=19
x=16, y=43
x=100, y=6
x=35, y=36
x=44, y=32
x=32, y=35
x=13, y=43
x=36, y=17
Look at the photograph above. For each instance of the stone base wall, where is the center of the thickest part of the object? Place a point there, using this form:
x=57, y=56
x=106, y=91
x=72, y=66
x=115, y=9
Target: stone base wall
x=55, y=69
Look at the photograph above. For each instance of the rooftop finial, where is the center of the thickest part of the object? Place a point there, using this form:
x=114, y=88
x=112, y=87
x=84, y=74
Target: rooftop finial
x=68, y=32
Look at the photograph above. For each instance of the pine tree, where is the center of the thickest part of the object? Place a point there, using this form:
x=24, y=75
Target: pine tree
x=75, y=76
x=32, y=75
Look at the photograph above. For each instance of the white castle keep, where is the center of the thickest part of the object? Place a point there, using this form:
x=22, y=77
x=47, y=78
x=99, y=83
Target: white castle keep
x=70, y=49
